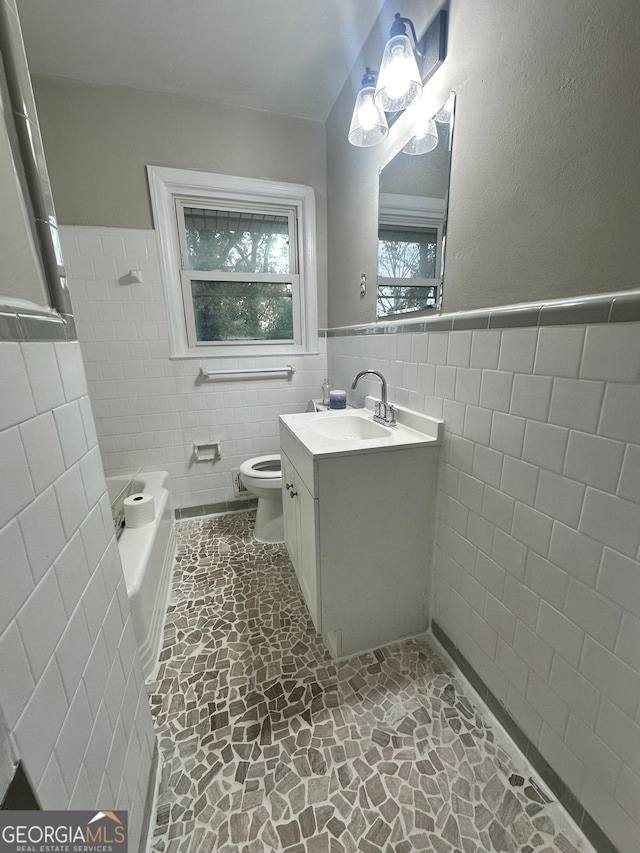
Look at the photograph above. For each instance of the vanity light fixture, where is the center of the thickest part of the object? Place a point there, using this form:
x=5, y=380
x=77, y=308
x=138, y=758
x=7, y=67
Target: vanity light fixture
x=368, y=123
x=404, y=70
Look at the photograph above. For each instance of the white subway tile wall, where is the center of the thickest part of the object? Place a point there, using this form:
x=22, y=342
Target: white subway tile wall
x=150, y=409
x=536, y=569
x=67, y=651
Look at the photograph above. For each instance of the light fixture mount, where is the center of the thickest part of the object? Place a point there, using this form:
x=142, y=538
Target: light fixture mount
x=431, y=49
x=369, y=77
x=399, y=28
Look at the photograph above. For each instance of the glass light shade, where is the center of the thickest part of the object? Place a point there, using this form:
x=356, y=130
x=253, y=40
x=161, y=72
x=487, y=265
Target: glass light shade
x=399, y=82
x=368, y=123
x=424, y=140
x=443, y=116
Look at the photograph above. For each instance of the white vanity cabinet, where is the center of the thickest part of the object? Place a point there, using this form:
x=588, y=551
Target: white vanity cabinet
x=359, y=524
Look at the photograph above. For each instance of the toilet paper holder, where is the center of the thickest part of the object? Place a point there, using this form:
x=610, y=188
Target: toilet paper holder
x=206, y=451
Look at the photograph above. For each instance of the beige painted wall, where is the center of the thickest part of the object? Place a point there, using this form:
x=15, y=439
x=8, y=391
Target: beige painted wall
x=99, y=139
x=543, y=197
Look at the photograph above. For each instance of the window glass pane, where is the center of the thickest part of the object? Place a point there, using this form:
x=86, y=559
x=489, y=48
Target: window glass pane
x=396, y=299
x=242, y=311
x=237, y=242
x=407, y=254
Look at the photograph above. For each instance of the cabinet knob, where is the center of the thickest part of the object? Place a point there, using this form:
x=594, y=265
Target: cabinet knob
x=292, y=494
x=288, y=486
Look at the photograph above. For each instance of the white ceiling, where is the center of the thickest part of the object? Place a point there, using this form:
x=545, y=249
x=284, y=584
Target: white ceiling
x=283, y=56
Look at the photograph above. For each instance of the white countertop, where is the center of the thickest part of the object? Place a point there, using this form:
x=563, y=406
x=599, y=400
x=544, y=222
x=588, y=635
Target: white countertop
x=413, y=430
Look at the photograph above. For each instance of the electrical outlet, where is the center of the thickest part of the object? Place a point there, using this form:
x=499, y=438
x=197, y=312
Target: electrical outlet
x=239, y=489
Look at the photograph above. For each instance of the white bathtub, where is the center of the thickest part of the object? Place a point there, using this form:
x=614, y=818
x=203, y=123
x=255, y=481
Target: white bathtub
x=147, y=555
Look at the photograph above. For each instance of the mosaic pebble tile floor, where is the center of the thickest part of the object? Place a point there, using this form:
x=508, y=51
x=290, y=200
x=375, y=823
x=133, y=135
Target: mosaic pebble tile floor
x=267, y=744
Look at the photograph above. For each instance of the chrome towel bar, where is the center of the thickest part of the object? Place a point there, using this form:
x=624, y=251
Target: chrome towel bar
x=217, y=375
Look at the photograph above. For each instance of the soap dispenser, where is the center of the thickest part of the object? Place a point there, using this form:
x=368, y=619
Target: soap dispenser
x=326, y=389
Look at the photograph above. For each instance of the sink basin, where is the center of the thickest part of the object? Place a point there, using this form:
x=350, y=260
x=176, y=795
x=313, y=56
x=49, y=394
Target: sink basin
x=349, y=428
x=353, y=431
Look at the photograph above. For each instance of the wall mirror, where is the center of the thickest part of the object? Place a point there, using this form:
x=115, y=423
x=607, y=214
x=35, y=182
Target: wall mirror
x=30, y=245
x=412, y=219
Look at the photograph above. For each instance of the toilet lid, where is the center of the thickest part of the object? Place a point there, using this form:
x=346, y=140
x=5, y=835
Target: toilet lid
x=263, y=467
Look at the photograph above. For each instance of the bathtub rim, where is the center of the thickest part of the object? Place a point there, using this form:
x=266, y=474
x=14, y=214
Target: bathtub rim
x=136, y=550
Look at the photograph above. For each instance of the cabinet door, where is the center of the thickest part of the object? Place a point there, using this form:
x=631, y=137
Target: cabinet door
x=300, y=534
x=307, y=552
x=290, y=511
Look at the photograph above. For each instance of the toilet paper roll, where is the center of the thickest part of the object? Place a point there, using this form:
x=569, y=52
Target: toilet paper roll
x=139, y=509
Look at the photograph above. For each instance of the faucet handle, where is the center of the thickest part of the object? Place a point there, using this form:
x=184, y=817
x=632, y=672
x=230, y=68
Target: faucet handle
x=385, y=413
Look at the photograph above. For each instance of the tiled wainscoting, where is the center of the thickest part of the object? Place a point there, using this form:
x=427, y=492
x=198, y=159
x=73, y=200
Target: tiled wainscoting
x=536, y=573
x=149, y=409
x=71, y=687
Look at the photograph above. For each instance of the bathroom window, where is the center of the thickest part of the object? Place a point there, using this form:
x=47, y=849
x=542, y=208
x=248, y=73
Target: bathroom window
x=238, y=263
x=239, y=273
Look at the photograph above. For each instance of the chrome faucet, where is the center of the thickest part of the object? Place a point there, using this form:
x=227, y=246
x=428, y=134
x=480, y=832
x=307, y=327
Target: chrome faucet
x=384, y=412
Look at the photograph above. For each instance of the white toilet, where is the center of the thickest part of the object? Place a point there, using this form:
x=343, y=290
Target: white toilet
x=262, y=477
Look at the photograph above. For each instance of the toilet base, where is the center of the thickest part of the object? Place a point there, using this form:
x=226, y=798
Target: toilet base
x=269, y=526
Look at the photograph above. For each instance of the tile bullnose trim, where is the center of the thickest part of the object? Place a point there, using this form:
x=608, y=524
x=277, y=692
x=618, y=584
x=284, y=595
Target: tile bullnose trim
x=615, y=307
x=153, y=782
x=563, y=793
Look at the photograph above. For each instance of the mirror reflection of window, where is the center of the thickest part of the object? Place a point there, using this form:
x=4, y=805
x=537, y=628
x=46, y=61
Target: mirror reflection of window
x=412, y=220
x=406, y=269
x=407, y=252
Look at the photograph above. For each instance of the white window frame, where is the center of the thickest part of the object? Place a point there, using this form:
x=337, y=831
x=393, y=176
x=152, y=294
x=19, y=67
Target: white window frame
x=169, y=187
x=188, y=275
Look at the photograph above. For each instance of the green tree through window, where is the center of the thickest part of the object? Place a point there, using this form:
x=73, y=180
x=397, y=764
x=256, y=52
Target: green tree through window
x=227, y=311
x=246, y=244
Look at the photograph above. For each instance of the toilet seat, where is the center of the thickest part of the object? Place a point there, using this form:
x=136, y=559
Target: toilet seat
x=267, y=467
